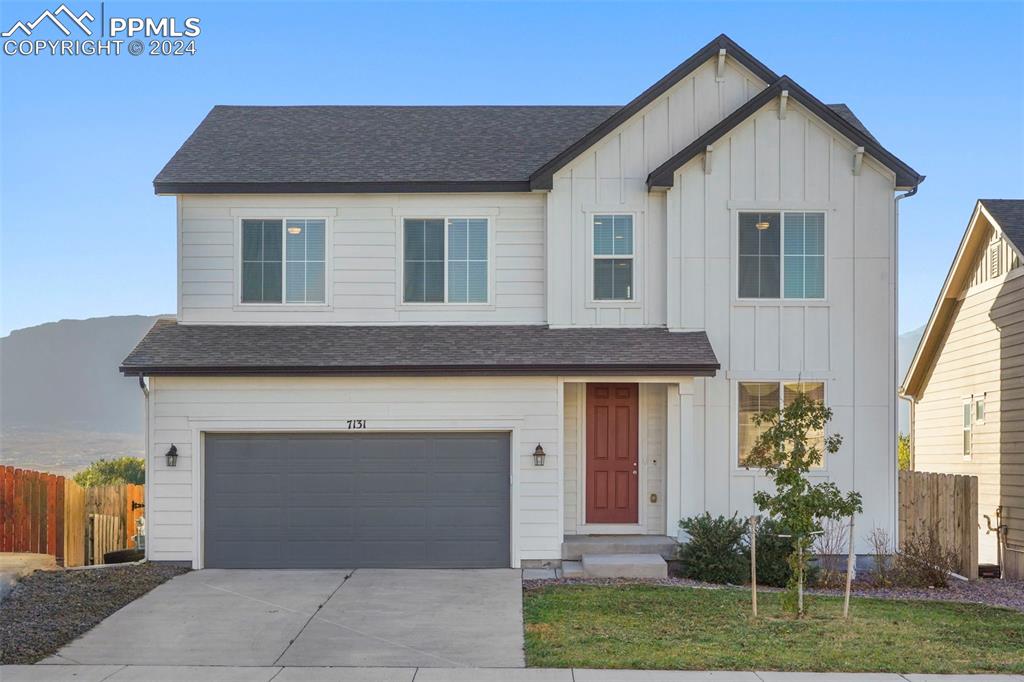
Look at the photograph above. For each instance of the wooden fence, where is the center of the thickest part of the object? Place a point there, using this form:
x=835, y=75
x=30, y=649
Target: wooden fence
x=945, y=504
x=48, y=514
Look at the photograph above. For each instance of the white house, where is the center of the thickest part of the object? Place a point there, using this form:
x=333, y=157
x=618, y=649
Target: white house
x=386, y=314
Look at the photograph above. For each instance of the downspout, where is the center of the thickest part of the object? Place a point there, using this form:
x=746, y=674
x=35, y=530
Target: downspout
x=145, y=429
x=894, y=471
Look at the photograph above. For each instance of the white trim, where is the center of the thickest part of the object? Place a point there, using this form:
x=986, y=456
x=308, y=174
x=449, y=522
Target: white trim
x=636, y=289
x=782, y=299
x=402, y=304
x=238, y=246
x=200, y=427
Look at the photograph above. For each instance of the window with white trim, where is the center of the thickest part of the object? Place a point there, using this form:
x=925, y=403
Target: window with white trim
x=979, y=409
x=613, y=257
x=757, y=396
x=782, y=255
x=968, y=424
x=445, y=260
x=284, y=261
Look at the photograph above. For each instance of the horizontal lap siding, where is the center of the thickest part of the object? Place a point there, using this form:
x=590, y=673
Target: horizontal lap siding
x=363, y=283
x=180, y=405
x=983, y=353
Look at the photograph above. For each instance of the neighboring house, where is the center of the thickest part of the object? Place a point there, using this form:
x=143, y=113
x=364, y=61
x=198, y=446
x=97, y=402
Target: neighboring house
x=966, y=383
x=384, y=312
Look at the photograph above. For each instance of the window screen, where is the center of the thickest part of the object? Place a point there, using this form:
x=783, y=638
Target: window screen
x=261, y=261
x=467, y=260
x=613, y=258
x=805, y=255
x=305, y=261
x=424, y=261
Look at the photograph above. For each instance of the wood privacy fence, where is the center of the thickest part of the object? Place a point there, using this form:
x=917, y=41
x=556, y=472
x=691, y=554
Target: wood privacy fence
x=48, y=514
x=944, y=504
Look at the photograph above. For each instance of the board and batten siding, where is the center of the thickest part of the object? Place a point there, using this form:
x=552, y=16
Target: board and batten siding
x=182, y=407
x=611, y=177
x=981, y=355
x=364, y=237
x=846, y=339
x=653, y=450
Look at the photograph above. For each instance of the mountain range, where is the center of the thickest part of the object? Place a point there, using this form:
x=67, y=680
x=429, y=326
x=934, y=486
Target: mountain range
x=63, y=404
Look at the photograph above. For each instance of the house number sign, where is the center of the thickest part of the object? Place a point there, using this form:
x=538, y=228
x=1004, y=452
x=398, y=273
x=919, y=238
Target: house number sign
x=356, y=424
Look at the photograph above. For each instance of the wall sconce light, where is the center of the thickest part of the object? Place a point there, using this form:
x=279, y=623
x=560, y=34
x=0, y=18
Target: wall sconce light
x=172, y=456
x=538, y=456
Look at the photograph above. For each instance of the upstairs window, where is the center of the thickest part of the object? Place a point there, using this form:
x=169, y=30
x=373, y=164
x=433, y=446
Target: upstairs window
x=283, y=261
x=782, y=255
x=967, y=429
x=613, y=258
x=445, y=260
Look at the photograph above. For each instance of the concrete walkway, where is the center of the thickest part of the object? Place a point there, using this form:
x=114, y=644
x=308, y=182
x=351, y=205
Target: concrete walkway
x=118, y=673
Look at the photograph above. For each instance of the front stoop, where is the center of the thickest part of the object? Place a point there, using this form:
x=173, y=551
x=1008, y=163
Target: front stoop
x=575, y=546
x=624, y=566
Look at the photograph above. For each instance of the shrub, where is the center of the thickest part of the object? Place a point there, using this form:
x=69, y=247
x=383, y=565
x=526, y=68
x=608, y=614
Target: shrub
x=113, y=472
x=773, y=565
x=715, y=552
x=883, y=573
x=831, y=549
x=924, y=562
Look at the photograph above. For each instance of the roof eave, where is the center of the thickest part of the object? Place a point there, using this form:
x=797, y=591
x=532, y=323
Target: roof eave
x=645, y=369
x=163, y=187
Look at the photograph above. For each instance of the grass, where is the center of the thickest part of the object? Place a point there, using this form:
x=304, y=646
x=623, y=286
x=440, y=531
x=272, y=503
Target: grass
x=657, y=627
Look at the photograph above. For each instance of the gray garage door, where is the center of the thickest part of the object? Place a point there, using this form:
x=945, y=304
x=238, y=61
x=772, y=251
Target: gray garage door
x=350, y=501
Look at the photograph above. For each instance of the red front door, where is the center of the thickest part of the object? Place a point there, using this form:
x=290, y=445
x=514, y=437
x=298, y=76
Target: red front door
x=612, y=493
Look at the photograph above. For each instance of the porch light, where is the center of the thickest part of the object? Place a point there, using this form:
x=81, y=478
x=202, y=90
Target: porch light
x=294, y=229
x=172, y=456
x=762, y=225
x=538, y=456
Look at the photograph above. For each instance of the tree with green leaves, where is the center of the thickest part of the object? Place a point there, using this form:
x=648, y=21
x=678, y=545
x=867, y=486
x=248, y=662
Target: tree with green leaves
x=791, y=444
x=903, y=451
x=112, y=472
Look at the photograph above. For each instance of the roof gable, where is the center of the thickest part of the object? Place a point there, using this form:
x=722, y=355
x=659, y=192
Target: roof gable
x=543, y=177
x=847, y=124
x=1008, y=214
x=960, y=272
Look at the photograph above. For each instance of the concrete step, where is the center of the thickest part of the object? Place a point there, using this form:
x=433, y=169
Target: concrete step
x=575, y=546
x=572, y=569
x=624, y=566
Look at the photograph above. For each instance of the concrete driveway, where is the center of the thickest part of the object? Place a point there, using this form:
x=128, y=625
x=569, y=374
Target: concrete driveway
x=365, y=617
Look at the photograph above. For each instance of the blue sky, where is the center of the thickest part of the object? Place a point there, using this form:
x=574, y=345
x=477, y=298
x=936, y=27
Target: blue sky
x=940, y=84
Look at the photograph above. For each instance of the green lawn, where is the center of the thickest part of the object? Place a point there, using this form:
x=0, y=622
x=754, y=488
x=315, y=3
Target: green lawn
x=644, y=626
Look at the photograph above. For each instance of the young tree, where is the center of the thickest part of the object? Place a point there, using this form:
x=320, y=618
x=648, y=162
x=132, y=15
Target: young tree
x=903, y=451
x=112, y=472
x=786, y=450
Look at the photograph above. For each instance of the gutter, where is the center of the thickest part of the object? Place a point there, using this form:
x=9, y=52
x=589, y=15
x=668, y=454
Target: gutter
x=145, y=451
x=896, y=355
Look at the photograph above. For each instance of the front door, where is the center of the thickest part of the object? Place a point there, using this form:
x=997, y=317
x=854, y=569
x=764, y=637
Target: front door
x=612, y=471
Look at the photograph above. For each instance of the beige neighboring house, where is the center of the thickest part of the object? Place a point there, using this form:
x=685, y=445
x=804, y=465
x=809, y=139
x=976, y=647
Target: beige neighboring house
x=966, y=382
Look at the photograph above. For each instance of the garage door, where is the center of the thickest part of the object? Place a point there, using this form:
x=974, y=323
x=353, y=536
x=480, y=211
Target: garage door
x=350, y=501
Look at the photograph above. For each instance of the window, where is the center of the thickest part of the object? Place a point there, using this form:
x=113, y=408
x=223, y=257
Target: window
x=757, y=396
x=296, y=271
x=445, y=260
x=782, y=255
x=979, y=410
x=613, y=258
x=967, y=423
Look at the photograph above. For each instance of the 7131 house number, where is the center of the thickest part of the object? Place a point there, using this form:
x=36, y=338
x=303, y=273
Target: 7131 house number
x=356, y=423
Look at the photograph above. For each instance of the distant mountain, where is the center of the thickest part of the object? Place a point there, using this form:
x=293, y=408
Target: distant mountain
x=907, y=348
x=63, y=404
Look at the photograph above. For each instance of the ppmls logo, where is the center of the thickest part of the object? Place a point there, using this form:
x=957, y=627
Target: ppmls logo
x=165, y=35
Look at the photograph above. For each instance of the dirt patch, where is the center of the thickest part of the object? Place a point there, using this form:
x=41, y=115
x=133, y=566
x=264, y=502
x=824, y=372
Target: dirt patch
x=48, y=609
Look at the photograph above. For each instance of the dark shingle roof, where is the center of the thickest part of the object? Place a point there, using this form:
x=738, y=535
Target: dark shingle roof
x=1009, y=213
x=847, y=115
x=172, y=348
x=318, y=147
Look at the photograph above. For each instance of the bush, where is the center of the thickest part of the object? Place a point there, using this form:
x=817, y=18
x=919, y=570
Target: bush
x=715, y=552
x=883, y=571
x=923, y=562
x=113, y=472
x=773, y=565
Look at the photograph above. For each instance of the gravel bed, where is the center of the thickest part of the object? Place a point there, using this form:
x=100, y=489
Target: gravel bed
x=48, y=609
x=1005, y=593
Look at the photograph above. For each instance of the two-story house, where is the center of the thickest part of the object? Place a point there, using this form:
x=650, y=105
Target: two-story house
x=471, y=336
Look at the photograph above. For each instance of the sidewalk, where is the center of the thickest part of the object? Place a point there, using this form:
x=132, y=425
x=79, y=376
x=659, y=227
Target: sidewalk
x=122, y=673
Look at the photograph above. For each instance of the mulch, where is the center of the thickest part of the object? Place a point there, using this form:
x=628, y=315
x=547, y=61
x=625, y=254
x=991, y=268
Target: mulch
x=48, y=609
x=1003, y=593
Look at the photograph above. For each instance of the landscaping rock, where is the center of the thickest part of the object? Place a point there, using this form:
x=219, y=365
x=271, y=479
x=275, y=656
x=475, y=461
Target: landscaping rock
x=48, y=609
